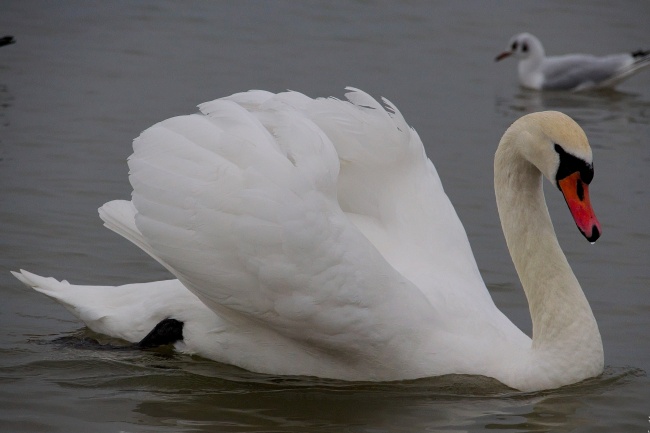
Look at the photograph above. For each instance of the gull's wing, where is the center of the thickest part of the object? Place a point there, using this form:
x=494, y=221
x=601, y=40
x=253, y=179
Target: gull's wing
x=581, y=71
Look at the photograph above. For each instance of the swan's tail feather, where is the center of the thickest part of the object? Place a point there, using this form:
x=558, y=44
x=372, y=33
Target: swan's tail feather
x=46, y=285
x=127, y=312
x=75, y=300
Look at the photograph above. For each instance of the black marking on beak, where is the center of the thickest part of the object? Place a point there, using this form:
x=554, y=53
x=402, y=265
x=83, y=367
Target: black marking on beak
x=595, y=234
x=580, y=190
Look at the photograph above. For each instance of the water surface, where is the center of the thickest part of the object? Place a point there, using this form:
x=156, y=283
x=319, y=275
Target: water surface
x=84, y=79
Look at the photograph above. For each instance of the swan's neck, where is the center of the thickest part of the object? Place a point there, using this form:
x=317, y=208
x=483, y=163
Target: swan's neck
x=564, y=329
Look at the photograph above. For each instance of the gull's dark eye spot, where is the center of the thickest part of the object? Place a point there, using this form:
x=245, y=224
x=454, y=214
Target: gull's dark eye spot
x=524, y=47
x=514, y=46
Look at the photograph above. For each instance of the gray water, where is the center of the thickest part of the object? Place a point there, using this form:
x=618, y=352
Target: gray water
x=85, y=78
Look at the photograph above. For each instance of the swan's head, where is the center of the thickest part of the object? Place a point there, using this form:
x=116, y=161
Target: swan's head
x=558, y=147
x=522, y=46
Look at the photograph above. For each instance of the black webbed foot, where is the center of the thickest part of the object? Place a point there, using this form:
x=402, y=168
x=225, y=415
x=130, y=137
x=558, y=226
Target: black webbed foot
x=168, y=331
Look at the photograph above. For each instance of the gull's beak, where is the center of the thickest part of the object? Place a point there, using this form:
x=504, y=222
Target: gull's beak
x=576, y=194
x=503, y=55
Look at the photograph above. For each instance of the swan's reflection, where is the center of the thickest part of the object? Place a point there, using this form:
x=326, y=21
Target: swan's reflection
x=209, y=395
x=164, y=391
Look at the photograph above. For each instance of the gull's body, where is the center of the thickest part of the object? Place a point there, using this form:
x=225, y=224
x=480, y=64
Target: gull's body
x=573, y=72
x=313, y=237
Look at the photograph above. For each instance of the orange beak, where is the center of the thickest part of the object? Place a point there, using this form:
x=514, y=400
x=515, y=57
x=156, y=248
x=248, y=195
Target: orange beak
x=576, y=194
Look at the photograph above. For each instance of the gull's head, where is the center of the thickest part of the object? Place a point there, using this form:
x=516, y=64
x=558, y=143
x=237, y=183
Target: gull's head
x=522, y=46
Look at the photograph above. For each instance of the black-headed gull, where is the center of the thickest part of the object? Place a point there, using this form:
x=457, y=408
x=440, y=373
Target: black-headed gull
x=570, y=71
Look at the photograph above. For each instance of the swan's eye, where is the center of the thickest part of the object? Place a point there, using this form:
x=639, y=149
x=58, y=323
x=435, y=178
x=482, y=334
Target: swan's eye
x=524, y=47
x=514, y=46
x=571, y=164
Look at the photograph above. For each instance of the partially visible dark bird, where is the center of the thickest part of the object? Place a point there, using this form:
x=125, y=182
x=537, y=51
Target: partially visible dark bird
x=7, y=40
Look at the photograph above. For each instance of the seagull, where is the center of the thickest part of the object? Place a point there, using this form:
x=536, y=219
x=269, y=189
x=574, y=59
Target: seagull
x=7, y=40
x=572, y=72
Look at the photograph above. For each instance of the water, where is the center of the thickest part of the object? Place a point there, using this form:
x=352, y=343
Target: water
x=84, y=79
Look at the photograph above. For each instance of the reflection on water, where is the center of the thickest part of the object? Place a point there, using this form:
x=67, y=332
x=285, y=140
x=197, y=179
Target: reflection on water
x=590, y=107
x=181, y=393
x=426, y=404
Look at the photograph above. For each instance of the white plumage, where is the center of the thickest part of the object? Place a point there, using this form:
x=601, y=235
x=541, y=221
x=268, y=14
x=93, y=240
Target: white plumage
x=311, y=237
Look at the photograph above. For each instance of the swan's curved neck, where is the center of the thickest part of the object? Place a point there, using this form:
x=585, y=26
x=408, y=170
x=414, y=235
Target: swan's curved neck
x=563, y=324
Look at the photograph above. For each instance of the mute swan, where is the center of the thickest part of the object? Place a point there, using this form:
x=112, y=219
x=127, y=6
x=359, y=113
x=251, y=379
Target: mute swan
x=570, y=71
x=313, y=237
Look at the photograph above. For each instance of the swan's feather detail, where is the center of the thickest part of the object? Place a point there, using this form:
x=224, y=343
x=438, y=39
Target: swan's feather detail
x=248, y=220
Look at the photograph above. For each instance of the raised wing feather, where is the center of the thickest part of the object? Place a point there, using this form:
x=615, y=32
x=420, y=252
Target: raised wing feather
x=242, y=207
x=392, y=192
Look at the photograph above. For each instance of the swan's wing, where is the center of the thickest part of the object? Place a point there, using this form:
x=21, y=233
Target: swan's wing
x=242, y=207
x=119, y=216
x=392, y=192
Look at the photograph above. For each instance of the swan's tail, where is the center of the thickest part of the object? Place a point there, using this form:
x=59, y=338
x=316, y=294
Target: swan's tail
x=48, y=286
x=128, y=312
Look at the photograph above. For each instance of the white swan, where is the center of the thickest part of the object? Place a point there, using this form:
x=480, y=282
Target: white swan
x=570, y=71
x=313, y=237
